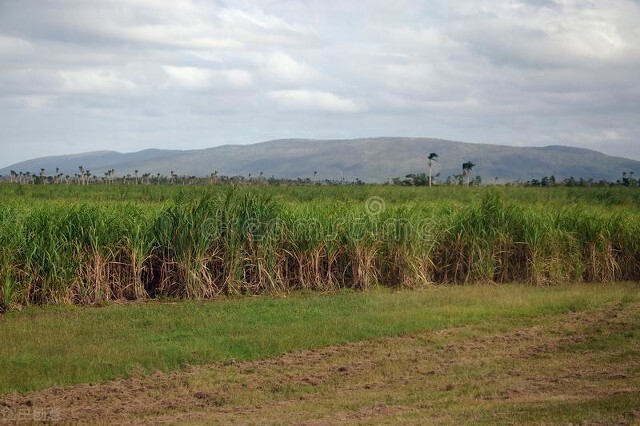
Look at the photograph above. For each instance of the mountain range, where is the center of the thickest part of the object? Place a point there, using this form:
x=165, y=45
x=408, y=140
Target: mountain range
x=370, y=159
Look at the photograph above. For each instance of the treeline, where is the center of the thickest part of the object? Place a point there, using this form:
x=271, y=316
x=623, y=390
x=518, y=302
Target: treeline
x=626, y=180
x=86, y=177
x=421, y=179
x=414, y=179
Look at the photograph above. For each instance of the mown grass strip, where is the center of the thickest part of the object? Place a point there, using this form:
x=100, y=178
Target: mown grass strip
x=62, y=345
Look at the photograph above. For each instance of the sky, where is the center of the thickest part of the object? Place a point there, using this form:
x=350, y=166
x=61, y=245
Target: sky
x=79, y=75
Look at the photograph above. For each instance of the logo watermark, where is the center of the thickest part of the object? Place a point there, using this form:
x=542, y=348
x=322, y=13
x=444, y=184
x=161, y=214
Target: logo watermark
x=29, y=414
x=374, y=205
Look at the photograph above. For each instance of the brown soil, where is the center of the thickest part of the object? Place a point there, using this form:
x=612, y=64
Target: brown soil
x=576, y=368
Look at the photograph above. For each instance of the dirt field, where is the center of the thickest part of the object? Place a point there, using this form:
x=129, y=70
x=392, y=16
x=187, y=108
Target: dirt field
x=574, y=368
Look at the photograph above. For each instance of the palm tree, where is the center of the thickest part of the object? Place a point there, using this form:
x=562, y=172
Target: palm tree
x=466, y=170
x=432, y=157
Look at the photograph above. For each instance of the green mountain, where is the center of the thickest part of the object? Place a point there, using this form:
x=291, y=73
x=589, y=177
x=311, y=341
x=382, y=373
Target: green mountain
x=371, y=160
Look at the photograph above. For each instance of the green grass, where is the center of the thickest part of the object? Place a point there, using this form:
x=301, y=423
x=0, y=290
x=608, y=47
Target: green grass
x=89, y=245
x=62, y=345
x=158, y=194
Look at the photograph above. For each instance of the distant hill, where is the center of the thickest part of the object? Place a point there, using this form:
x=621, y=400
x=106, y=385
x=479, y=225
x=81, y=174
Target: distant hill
x=371, y=160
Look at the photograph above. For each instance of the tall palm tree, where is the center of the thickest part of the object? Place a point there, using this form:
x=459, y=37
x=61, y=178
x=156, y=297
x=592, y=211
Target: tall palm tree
x=432, y=157
x=466, y=170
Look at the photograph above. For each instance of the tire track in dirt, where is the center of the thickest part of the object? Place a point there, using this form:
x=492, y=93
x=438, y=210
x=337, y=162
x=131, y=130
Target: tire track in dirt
x=443, y=376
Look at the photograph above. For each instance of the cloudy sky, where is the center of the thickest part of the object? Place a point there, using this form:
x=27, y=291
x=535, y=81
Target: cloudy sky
x=79, y=75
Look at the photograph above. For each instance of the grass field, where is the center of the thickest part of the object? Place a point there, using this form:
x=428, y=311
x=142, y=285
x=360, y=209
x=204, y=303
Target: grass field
x=444, y=354
x=218, y=305
x=88, y=245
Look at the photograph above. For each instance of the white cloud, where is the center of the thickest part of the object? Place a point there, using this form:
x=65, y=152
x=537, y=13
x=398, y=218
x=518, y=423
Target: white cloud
x=190, y=77
x=13, y=46
x=568, y=33
x=36, y=101
x=239, y=79
x=181, y=36
x=256, y=19
x=288, y=70
x=314, y=100
x=193, y=78
x=205, y=26
x=94, y=81
x=612, y=135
